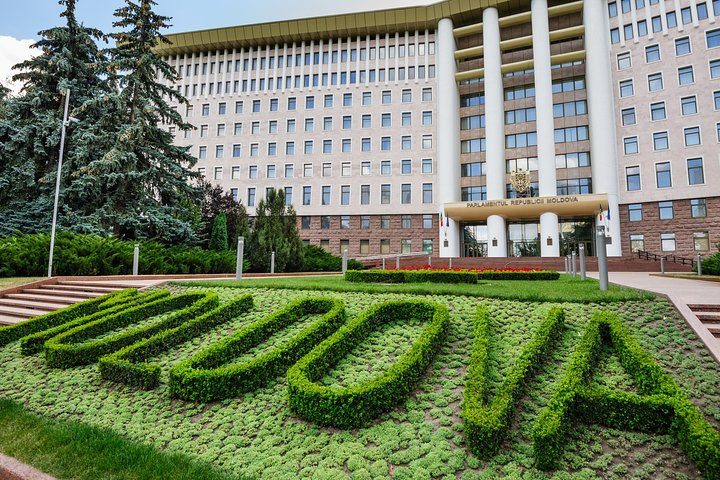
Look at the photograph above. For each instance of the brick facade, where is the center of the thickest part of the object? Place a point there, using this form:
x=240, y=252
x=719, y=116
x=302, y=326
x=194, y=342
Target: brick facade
x=683, y=225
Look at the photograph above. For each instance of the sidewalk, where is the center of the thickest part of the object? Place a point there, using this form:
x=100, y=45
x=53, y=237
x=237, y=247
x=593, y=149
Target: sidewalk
x=681, y=292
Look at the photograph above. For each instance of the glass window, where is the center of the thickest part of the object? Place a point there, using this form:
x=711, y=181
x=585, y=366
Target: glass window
x=406, y=95
x=385, y=143
x=427, y=221
x=660, y=141
x=256, y=106
x=686, y=15
x=652, y=52
x=688, y=105
x=307, y=170
x=626, y=88
x=327, y=146
x=698, y=208
x=405, y=246
x=628, y=116
x=624, y=61
x=346, y=145
x=406, y=120
x=632, y=177
x=347, y=99
x=406, y=193
x=657, y=111
x=667, y=242
x=682, y=46
x=325, y=222
x=427, y=94
x=386, y=120
x=701, y=241
x=713, y=36
x=663, y=175
x=307, y=195
x=365, y=222
x=630, y=145
x=306, y=222
x=716, y=100
x=325, y=200
x=655, y=82
x=671, y=19
x=628, y=32
x=692, y=136
x=427, y=192
x=637, y=243
x=642, y=28
x=406, y=166
x=427, y=165
x=612, y=9
x=385, y=194
x=666, y=210
x=635, y=212
x=289, y=170
x=308, y=147
x=327, y=123
x=427, y=118
x=614, y=35
x=656, y=23
x=715, y=68
x=251, y=197
x=345, y=196
x=686, y=75
x=328, y=100
x=695, y=171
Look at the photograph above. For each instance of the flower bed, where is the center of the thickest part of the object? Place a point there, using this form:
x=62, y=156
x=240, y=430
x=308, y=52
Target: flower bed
x=428, y=273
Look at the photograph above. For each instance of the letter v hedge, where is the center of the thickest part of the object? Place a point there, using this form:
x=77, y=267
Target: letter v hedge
x=357, y=404
x=205, y=377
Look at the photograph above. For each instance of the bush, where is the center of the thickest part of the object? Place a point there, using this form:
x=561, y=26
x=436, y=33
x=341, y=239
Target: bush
x=128, y=365
x=63, y=316
x=486, y=424
x=25, y=255
x=375, y=276
x=317, y=259
x=514, y=275
x=219, y=235
x=204, y=378
x=410, y=276
x=711, y=265
x=355, y=405
x=74, y=347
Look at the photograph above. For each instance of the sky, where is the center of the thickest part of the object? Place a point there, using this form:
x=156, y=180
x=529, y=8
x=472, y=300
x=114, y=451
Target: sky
x=22, y=19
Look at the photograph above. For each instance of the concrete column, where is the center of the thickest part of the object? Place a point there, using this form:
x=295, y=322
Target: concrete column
x=494, y=130
x=547, y=177
x=603, y=142
x=448, y=136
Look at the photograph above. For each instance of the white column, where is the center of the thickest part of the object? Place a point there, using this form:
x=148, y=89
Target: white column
x=494, y=130
x=448, y=136
x=547, y=177
x=603, y=143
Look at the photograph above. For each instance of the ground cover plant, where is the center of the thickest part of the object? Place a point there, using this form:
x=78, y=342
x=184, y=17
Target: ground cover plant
x=257, y=434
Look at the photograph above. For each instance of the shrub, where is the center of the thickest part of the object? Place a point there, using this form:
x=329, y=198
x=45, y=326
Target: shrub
x=410, y=276
x=128, y=365
x=486, y=424
x=711, y=265
x=516, y=275
x=74, y=347
x=375, y=276
x=63, y=316
x=219, y=236
x=353, y=406
x=317, y=259
x=204, y=378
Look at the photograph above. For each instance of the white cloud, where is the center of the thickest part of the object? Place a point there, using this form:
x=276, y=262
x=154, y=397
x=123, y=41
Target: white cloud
x=13, y=51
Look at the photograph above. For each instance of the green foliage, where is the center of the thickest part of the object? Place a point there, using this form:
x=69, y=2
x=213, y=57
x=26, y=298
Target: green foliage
x=63, y=316
x=711, y=265
x=410, y=276
x=75, y=347
x=216, y=200
x=219, y=237
x=486, y=423
x=511, y=275
x=355, y=405
x=317, y=259
x=275, y=230
x=660, y=405
x=26, y=255
x=129, y=364
x=205, y=376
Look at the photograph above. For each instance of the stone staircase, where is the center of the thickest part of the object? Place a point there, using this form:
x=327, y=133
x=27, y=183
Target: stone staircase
x=709, y=316
x=36, y=299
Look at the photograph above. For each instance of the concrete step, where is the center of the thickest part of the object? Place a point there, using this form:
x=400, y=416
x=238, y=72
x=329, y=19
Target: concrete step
x=81, y=288
x=10, y=319
x=19, y=312
x=60, y=301
x=708, y=317
x=704, y=307
x=714, y=328
x=64, y=293
x=41, y=306
x=116, y=284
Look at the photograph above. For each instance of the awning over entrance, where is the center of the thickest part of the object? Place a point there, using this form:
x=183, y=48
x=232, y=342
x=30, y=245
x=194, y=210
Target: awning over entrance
x=531, y=207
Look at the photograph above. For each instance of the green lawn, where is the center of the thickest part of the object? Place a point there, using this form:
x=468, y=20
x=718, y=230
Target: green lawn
x=16, y=281
x=257, y=436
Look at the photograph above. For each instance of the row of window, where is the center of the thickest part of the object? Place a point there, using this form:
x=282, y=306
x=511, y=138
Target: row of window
x=328, y=101
x=663, y=174
x=658, y=111
x=691, y=136
x=306, y=59
x=683, y=47
x=524, y=115
x=305, y=81
x=345, y=222
x=569, y=186
x=364, y=245
x=698, y=209
x=527, y=139
x=701, y=242
x=686, y=76
x=563, y=160
x=640, y=28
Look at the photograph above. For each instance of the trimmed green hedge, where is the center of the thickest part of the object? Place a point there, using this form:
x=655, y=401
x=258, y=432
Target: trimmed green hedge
x=486, y=424
x=71, y=348
x=34, y=343
x=661, y=405
x=510, y=275
x=355, y=405
x=205, y=377
x=128, y=365
x=11, y=333
x=410, y=276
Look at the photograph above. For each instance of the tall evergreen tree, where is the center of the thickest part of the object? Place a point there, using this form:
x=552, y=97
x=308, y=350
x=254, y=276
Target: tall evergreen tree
x=4, y=94
x=143, y=177
x=68, y=57
x=216, y=200
x=275, y=230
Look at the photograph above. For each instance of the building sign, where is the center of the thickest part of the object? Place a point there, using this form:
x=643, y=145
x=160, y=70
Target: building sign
x=528, y=207
x=523, y=201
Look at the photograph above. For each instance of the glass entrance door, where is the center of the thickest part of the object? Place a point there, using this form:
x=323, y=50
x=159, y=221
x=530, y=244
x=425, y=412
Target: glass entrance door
x=474, y=241
x=523, y=239
x=574, y=233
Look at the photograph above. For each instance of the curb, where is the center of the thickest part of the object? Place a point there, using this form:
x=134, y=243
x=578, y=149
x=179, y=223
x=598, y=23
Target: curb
x=12, y=469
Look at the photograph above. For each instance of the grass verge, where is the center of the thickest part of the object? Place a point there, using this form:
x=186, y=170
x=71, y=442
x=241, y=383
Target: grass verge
x=566, y=289
x=70, y=450
x=16, y=281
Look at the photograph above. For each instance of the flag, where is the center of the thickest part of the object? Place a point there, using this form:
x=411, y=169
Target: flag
x=441, y=219
x=601, y=212
x=608, y=212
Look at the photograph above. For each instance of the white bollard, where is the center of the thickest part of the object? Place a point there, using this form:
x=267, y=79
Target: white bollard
x=136, y=259
x=383, y=263
x=699, y=265
x=272, y=263
x=344, y=260
x=240, y=254
x=397, y=262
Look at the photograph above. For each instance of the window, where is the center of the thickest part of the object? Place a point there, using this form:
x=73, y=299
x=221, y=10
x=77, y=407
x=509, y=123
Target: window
x=637, y=243
x=405, y=246
x=406, y=95
x=306, y=222
x=686, y=15
x=385, y=143
x=364, y=222
x=364, y=194
x=426, y=165
x=642, y=28
x=657, y=111
x=663, y=175
x=289, y=148
x=626, y=88
x=521, y=140
x=717, y=131
x=671, y=19
x=328, y=101
x=345, y=195
x=427, y=94
x=204, y=131
x=698, y=208
x=238, y=107
x=327, y=146
x=427, y=193
x=270, y=171
x=327, y=169
x=630, y=145
x=385, y=167
x=521, y=115
x=288, y=195
x=251, y=197
x=384, y=245
x=635, y=212
x=612, y=9
x=686, y=75
x=406, y=194
x=255, y=128
x=219, y=151
x=660, y=141
x=667, y=242
x=252, y=172
x=521, y=91
x=307, y=195
x=385, y=193
x=272, y=149
x=701, y=241
x=346, y=145
x=652, y=52
x=666, y=210
x=205, y=109
x=309, y=124
x=292, y=103
x=273, y=104
x=682, y=46
x=632, y=178
x=628, y=116
x=367, y=98
x=325, y=199
x=688, y=105
x=692, y=136
x=365, y=144
x=272, y=126
x=614, y=35
x=715, y=68
x=202, y=152
x=695, y=171
x=406, y=221
x=386, y=120
x=406, y=166
x=256, y=106
x=218, y=173
x=365, y=168
x=235, y=172
x=716, y=100
x=347, y=99
x=713, y=37
x=346, y=122
x=308, y=147
x=624, y=61
x=289, y=170
x=325, y=222
x=655, y=82
x=427, y=118
x=570, y=134
x=406, y=142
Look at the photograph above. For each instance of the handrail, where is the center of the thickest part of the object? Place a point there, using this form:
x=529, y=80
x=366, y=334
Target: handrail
x=643, y=255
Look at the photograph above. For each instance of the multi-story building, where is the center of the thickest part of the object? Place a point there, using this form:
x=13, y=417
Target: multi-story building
x=497, y=128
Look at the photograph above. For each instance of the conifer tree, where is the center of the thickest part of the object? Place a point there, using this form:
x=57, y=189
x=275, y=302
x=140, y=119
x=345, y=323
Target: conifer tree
x=68, y=57
x=144, y=178
x=219, y=237
x=275, y=230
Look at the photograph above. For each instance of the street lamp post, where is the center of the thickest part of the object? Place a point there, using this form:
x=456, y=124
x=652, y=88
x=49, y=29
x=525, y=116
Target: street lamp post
x=65, y=123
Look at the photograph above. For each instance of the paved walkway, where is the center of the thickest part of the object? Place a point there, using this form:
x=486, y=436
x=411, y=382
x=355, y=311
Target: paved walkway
x=690, y=297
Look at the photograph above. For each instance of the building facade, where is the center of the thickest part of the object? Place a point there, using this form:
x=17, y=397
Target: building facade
x=469, y=128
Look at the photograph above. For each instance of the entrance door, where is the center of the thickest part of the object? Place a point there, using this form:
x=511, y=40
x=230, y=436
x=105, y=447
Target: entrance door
x=574, y=233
